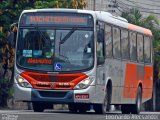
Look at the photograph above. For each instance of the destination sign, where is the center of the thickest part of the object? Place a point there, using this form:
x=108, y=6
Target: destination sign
x=65, y=19
x=55, y=19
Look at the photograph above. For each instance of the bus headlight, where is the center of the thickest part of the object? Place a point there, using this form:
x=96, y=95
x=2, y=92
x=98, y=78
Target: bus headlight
x=84, y=83
x=23, y=82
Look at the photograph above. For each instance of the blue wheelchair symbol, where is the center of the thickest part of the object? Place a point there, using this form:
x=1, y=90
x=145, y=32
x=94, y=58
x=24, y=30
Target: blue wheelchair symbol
x=57, y=66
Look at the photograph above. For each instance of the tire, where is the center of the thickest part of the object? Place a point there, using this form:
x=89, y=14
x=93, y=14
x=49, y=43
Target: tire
x=72, y=108
x=154, y=96
x=108, y=96
x=137, y=107
x=103, y=108
x=83, y=108
x=126, y=109
x=38, y=107
x=99, y=108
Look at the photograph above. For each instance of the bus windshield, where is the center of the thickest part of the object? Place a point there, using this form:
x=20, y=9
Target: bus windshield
x=48, y=49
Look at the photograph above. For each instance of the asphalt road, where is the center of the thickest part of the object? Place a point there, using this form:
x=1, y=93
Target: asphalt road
x=66, y=115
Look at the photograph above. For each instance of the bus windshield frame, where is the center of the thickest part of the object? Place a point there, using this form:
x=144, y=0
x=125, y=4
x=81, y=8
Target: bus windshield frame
x=70, y=32
x=57, y=19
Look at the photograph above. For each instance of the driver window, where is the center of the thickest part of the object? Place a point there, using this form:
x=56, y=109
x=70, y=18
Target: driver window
x=99, y=49
x=100, y=46
x=116, y=43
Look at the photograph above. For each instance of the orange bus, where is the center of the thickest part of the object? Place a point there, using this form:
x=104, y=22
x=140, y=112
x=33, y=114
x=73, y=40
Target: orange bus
x=82, y=58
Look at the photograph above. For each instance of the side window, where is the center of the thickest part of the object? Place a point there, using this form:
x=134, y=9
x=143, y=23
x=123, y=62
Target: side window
x=133, y=46
x=108, y=40
x=100, y=49
x=140, y=48
x=147, y=49
x=116, y=43
x=100, y=44
x=124, y=44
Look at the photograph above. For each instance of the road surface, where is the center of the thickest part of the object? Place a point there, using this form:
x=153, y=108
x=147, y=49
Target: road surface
x=66, y=115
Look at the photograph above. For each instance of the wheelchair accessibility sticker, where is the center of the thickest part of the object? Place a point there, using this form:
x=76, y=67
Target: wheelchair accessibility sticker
x=57, y=67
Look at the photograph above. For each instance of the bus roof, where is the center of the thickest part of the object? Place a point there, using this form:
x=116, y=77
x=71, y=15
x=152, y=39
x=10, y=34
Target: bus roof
x=100, y=15
x=121, y=22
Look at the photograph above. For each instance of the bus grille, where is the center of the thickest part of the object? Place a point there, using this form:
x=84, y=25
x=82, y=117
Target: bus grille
x=52, y=94
x=53, y=81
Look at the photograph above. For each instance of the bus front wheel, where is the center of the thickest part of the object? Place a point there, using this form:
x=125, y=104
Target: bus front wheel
x=103, y=108
x=72, y=108
x=37, y=107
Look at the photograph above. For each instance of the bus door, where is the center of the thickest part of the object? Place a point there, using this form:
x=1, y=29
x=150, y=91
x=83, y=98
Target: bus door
x=100, y=73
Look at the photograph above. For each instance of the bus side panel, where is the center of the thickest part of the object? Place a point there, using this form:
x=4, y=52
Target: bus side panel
x=125, y=88
x=134, y=75
x=130, y=81
x=147, y=83
x=113, y=71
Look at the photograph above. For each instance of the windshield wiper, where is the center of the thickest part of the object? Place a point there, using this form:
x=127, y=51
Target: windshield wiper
x=68, y=35
x=41, y=34
x=37, y=28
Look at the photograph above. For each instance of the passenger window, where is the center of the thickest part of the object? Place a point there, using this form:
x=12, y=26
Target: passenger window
x=133, y=46
x=124, y=44
x=108, y=40
x=140, y=48
x=100, y=46
x=116, y=43
x=147, y=49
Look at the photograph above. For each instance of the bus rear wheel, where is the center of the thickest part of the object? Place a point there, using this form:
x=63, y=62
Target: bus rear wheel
x=126, y=109
x=137, y=107
x=133, y=108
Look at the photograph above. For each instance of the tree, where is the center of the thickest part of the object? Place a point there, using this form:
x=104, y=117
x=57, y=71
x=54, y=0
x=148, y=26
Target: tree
x=77, y=4
x=133, y=16
x=11, y=9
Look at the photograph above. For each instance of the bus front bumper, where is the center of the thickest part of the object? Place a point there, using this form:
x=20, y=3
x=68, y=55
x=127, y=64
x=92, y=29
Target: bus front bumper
x=54, y=96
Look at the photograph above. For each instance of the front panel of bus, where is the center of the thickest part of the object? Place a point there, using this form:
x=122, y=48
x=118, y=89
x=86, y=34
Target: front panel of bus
x=55, y=57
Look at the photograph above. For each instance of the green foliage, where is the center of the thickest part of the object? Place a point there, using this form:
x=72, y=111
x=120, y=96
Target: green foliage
x=10, y=10
x=60, y=4
x=5, y=92
x=133, y=16
x=1, y=35
x=41, y=4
